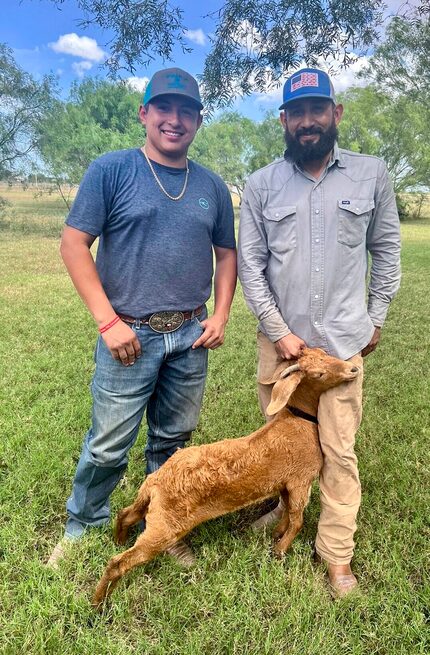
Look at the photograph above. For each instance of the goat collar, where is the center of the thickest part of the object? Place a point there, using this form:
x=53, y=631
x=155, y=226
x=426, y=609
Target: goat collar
x=300, y=414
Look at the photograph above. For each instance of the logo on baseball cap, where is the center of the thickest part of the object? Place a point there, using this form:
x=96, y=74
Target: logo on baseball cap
x=173, y=81
x=308, y=83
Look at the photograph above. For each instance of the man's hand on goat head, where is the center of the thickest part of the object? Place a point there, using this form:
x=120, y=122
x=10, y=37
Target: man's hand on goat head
x=372, y=343
x=289, y=347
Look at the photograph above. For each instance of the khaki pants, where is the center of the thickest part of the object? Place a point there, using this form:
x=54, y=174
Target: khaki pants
x=339, y=416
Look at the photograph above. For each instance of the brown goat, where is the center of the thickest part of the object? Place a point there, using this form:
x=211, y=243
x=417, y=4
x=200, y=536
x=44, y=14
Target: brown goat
x=202, y=482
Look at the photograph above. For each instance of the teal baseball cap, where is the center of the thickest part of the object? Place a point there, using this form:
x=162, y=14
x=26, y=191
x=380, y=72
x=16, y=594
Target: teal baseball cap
x=173, y=81
x=308, y=83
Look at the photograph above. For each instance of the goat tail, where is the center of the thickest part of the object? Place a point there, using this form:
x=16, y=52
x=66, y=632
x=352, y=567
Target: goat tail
x=132, y=514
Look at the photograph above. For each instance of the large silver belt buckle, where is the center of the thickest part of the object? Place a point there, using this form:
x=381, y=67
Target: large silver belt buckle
x=166, y=321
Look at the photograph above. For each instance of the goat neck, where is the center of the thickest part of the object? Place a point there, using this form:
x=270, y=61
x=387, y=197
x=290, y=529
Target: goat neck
x=306, y=398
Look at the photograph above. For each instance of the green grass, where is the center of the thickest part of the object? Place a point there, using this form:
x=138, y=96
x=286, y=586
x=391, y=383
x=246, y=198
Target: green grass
x=238, y=600
x=36, y=211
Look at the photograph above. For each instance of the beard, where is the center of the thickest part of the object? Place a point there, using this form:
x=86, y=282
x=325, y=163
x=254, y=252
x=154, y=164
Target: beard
x=302, y=153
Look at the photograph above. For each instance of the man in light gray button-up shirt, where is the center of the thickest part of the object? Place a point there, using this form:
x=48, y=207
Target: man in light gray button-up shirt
x=308, y=223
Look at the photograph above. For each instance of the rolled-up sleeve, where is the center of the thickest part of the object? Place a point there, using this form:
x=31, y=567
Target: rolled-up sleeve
x=383, y=243
x=253, y=253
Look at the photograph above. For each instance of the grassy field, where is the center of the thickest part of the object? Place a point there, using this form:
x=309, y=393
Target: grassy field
x=238, y=600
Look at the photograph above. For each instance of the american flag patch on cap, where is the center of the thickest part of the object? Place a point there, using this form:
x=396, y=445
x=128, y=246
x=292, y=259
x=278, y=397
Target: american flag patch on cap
x=303, y=79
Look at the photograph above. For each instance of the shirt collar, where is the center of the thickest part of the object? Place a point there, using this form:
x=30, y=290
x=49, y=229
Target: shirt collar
x=336, y=156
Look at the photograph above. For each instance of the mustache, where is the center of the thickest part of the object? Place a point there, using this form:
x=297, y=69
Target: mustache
x=307, y=131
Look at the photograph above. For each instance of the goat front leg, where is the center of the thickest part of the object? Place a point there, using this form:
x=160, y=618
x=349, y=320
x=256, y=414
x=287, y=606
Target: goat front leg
x=284, y=521
x=149, y=544
x=298, y=499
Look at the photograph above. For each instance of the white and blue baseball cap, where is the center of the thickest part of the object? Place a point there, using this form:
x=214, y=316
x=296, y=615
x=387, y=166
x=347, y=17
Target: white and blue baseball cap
x=308, y=83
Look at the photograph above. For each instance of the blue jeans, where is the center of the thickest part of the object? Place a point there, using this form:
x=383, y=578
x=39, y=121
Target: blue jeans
x=168, y=381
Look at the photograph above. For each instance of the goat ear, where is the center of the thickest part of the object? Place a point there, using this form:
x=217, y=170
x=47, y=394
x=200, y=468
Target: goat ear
x=282, y=391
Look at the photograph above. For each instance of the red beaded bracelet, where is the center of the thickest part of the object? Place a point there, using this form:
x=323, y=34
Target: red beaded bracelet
x=107, y=327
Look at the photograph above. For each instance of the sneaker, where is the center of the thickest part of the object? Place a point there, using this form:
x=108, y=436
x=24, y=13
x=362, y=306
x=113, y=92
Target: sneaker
x=59, y=553
x=268, y=519
x=182, y=554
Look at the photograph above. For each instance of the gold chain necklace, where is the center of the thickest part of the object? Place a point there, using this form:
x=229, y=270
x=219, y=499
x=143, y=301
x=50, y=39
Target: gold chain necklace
x=157, y=179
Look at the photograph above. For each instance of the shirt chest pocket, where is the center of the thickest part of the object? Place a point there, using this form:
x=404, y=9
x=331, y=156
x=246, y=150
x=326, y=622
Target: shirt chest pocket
x=354, y=216
x=281, y=227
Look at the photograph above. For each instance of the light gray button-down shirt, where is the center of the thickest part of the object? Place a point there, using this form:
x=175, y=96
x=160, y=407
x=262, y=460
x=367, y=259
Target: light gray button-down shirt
x=303, y=251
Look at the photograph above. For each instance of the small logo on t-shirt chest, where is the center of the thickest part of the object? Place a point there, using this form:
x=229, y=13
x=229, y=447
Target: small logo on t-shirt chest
x=203, y=203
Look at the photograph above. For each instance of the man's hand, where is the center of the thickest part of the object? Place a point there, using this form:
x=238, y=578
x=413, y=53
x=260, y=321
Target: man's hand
x=372, y=343
x=289, y=347
x=122, y=343
x=213, y=333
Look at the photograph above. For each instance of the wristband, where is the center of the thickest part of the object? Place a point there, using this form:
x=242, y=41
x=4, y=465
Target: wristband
x=108, y=326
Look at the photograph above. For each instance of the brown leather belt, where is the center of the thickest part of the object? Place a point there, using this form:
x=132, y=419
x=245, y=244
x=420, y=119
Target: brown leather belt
x=163, y=321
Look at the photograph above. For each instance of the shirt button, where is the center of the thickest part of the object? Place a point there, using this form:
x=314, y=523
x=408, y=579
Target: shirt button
x=317, y=270
x=317, y=211
x=315, y=322
x=276, y=214
x=316, y=296
x=317, y=240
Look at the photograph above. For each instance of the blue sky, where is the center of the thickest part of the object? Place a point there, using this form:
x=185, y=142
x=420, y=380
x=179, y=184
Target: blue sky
x=46, y=39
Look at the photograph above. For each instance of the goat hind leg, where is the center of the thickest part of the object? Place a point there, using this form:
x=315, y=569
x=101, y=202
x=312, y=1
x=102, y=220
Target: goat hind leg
x=147, y=546
x=126, y=518
x=132, y=514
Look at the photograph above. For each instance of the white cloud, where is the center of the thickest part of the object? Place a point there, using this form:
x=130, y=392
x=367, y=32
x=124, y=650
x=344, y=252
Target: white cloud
x=196, y=36
x=79, y=46
x=343, y=78
x=271, y=96
x=137, y=83
x=248, y=37
x=81, y=66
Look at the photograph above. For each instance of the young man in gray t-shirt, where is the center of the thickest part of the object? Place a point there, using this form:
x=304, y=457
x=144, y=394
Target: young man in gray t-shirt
x=158, y=217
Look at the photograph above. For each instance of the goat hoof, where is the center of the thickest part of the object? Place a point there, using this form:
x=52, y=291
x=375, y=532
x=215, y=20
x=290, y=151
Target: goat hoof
x=278, y=552
x=120, y=536
x=98, y=602
x=97, y=605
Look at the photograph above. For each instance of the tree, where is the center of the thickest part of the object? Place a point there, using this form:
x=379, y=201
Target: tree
x=234, y=146
x=255, y=42
x=393, y=132
x=398, y=102
x=401, y=64
x=100, y=116
x=23, y=101
x=269, y=142
x=225, y=146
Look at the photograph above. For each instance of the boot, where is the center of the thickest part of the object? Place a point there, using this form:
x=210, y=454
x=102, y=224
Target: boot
x=269, y=519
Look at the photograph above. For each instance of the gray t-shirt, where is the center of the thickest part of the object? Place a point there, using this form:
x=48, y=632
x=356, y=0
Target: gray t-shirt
x=154, y=253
